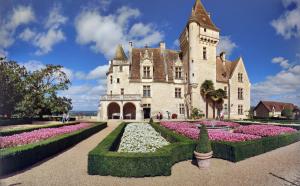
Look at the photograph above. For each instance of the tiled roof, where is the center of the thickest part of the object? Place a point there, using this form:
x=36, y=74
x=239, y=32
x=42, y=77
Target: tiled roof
x=224, y=71
x=278, y=106
x=163, y=61
x=200, y=15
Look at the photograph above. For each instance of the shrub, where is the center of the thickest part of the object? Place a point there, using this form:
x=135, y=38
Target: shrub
x=17, y=158
x=174, y=116
x=104, y=160
x=203, y=145
x=288, y=113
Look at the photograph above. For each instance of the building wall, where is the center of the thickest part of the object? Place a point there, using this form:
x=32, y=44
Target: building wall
x=261, y=111
x=201, y=69
x=234, y=84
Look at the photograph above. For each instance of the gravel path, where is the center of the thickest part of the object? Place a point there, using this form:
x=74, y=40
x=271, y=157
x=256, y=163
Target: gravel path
x=279, y=167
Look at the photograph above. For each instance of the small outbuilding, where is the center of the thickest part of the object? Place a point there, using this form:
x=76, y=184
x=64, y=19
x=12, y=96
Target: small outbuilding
x=272, y=109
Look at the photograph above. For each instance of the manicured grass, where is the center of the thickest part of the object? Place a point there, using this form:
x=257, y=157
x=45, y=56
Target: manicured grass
x=104, y=160
x=17, y=158
x=21, y=130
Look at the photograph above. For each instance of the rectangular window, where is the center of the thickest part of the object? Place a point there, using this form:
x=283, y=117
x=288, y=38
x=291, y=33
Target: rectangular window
x=146, y=74
x=240, y=77
x=225, y=89
x=181, y=109
x=204, y=53
x=178, y=73
x=146, y=91
x=240, y=110
x=240, y=94
x=122, y=91
x=111, y=80
x=177, y=92
x=118, y=80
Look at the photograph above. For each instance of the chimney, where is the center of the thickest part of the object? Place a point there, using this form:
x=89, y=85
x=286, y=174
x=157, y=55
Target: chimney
x=162, y=45
x=223, y=57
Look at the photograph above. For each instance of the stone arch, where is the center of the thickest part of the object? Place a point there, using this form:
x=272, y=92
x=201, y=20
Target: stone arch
x=113, y=111
x=129, y=111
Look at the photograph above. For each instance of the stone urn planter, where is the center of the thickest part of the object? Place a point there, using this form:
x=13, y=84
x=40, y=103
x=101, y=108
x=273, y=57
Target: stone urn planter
x=203, y=151
x=203, y=159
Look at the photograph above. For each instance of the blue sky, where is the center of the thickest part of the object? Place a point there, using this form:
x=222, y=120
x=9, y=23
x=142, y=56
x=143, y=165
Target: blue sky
x=82, y=36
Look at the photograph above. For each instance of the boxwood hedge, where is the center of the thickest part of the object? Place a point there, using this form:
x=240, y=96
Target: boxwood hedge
x=18, y=130
x=17, y=158
x=242, y=150
x=104, y=160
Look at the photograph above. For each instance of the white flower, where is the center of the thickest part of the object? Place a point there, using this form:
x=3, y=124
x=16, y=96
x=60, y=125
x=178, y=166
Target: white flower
x=139, y=137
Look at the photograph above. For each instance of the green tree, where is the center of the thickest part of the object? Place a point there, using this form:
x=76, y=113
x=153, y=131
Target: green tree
x=206, y=89
x=217, y=98
x=288, y=113
x=12, y=86
x=41, y=92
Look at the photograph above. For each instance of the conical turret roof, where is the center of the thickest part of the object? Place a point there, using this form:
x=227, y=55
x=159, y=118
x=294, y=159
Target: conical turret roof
x=200, y=15
x=120, y=54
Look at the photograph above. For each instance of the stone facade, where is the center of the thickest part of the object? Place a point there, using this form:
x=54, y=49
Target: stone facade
x=149, y=81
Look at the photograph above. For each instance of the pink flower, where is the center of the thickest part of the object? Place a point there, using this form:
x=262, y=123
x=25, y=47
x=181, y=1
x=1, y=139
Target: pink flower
x=191, y=131
x=38, y=135
x=264, y=130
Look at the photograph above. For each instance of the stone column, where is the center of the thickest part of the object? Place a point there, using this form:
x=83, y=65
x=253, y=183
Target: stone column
x=121, y=110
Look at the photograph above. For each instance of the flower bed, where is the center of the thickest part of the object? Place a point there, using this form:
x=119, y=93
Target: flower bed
x=105, y=160
x=264, y=130
x=141, y=138
x=38, y=135
x=191, y=131
x=19, y=157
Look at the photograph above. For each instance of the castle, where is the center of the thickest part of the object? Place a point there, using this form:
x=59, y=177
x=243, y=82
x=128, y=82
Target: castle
x=149, y=81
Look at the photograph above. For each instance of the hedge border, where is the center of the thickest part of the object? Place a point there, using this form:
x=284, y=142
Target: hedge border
x=17, y=158
x=18, y=131
x=15, y=121
x=104, y=160
x=239, y=151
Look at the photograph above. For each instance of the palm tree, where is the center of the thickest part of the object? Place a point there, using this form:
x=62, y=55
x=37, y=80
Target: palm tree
x=218, y=97
x=206, y=89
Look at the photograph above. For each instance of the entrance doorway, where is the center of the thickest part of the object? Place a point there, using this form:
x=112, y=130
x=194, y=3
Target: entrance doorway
x=147, y=113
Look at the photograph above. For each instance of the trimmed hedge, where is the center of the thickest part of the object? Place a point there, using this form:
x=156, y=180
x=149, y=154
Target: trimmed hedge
x=104, y=160
x=15, y=121
x=18, y=131
x=17, y=158
x=242, y=150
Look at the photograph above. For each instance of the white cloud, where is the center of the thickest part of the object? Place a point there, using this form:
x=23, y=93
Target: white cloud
x=20, y=15
x=226, y=44
x=284, y=63
x=288, y=24
x=283, y=86
x=104, y=33
x=27, y=34
x=46, y=40
x=98, y=73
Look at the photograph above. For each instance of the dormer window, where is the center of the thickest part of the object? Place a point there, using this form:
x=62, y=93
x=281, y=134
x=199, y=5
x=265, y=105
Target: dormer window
x=146, y=72
x=178, y=72
x=204, y=53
